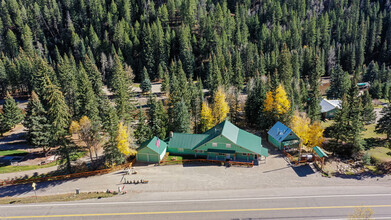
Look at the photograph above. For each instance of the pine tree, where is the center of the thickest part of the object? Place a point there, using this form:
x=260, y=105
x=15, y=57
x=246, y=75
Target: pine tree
x=36, y=124
x=57, y=112
x=165, y=88
x=339, y=83
x=383, y=126
x=285, y=69
x=143, y=131
x=181, y=119
x=11, y=116
x=157, y=118
x=145, y=85
x=314, y=93
x=123, y=93
x=3, y=78
x=368, y=109
x=87, y=98
x=11, y=44
x=255, y=99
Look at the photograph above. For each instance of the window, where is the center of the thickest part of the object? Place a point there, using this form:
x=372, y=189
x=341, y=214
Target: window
x=214, y=144
x=221, y=154
x=180, y=149
x=244, y=154
x=228, y=145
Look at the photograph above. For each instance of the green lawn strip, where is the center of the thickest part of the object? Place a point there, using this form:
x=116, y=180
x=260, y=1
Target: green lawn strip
x=379, y=154
x=11, y=169
x=12, y=152
x=55, y=198
x=174, y=158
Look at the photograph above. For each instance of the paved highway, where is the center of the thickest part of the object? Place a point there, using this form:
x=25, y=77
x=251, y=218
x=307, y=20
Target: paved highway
x=278, y=203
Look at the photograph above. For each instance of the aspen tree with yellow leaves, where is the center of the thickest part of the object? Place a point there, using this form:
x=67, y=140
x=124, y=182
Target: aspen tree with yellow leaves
x=311, y=134
x=220, y=106
x=277, y=105
x=123, y=140
x=206, y=117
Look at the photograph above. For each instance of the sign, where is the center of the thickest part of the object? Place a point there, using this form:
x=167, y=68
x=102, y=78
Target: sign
x=34, y=185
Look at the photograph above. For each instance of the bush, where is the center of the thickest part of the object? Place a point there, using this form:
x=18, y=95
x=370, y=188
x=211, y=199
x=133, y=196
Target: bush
x=146, y=85
x=366, y=158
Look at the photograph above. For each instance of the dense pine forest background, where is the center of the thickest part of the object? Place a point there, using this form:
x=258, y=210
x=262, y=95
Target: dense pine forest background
x=64, y=52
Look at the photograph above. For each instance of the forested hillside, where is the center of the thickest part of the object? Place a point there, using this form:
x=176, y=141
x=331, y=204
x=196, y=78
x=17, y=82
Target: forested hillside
x=65, y=51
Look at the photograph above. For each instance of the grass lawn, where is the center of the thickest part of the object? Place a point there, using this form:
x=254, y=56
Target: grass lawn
x=379, y=154
x=176, y=158
x=11, y=169
x=55, y=198
x=370, y=132
x=12, y=152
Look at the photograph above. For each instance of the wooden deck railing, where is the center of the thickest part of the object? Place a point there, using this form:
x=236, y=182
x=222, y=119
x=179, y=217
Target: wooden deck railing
x=68, y=176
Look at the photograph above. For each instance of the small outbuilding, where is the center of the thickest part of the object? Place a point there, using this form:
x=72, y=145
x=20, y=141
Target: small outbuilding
x=283, y=137
x=151, y=151
x=329, y=108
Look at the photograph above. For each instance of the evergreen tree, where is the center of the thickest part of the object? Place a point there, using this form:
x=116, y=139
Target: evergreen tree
x=339, y=83
x=181, y=119
x=314, y=92
x=255, y=99
x=143, y=131
x=145, y=85
x=123, y=93
x=383, y=126
x=36, y=124
x=157, y=118
x=87, y=98
x=11, y=116
x=57, y=113
x=368, y=113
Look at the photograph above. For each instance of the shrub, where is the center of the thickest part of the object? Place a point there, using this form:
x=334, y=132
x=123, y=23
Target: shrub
x=366, y=158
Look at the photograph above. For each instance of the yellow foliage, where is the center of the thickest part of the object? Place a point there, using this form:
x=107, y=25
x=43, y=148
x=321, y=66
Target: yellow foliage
x=123, y=144
x=206, y=117
x=220, y=107
x=315, y=135
x=74, y=127
x=311, y=135
x=269, y=102
x=300, y=124
x=277, y=102
x=362, y=213
x=282, y=104
x=84, y=122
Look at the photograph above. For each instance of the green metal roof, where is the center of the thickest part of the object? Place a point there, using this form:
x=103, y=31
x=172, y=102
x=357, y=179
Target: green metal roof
x=186, y=141
x=237, y=136
x=221, y=151
x=319, y=151
x=151, y=144
x=234, y=134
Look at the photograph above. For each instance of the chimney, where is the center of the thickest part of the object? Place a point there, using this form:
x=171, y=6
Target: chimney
x=171, y=134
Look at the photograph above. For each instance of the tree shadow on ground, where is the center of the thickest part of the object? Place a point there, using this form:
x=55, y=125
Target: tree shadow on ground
x=20, y=189
x=303, y=171
x=374, y=142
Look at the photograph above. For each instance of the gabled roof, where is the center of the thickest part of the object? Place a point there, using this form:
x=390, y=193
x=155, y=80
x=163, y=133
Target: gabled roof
x=151, y=144
x=319, y=151
x=238, y=136
x=328, y=105
x=234, y=134
x=279, y=132
x=186, y=141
